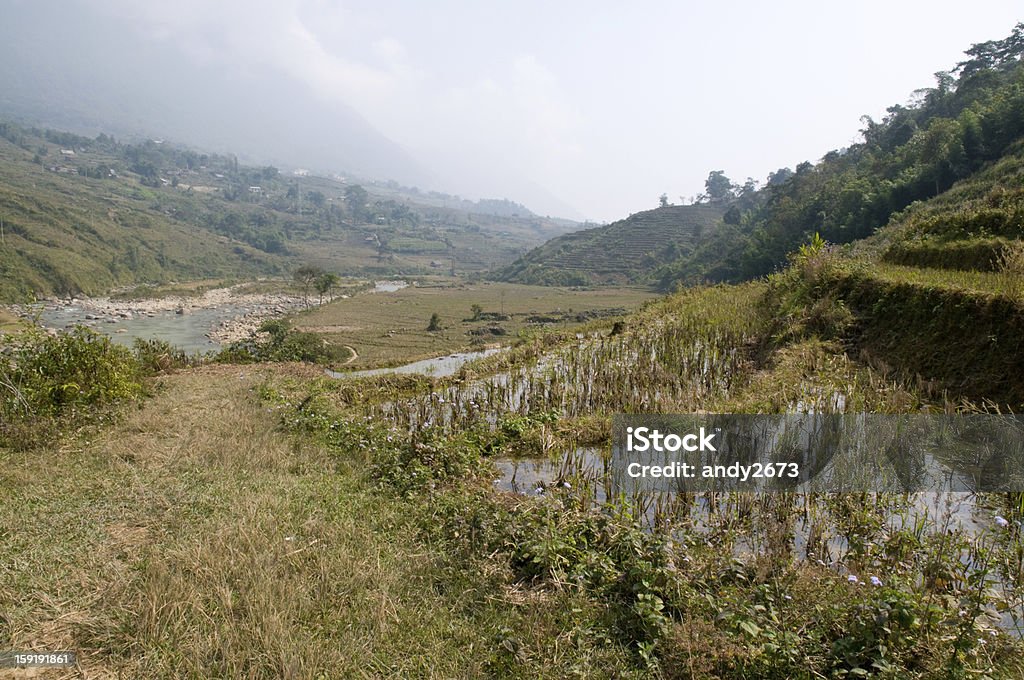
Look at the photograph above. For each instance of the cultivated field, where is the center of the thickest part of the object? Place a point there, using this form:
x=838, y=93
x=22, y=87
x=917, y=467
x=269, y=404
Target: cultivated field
x=390, y=328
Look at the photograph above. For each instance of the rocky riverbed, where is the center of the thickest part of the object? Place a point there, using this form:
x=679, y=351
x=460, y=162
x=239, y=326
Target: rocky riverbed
x=216, y=317
x=194, y=323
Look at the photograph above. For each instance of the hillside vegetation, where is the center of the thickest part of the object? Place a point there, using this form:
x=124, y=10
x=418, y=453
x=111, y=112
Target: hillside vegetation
x=67, y=233
x=622, y=252
x=965, y=129
x=82, y=215
x=265, y=521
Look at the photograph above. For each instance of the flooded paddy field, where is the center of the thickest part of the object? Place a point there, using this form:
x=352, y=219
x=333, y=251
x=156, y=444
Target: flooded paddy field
x=534, y=423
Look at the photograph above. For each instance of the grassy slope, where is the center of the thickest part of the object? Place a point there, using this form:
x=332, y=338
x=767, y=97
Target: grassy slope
x=202, y=541
x=8, y=321
x=67, y=233
x=929, y=297
x=957, y=332
x=193, y=540
x=624, y=251
x=773, y=377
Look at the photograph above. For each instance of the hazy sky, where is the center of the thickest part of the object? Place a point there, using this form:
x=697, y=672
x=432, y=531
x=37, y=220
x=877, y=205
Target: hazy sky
x=604, y=105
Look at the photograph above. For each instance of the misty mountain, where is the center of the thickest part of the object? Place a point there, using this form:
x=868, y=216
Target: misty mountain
x=69, y=66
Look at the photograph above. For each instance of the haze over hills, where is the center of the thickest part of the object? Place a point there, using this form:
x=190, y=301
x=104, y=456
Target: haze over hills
x=88, y=72
x=80, y=67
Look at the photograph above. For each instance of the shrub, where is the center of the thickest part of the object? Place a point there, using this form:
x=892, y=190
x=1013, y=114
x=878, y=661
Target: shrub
x=278, y=341
x=160, y=356
x=803, y=297
x=67, y=378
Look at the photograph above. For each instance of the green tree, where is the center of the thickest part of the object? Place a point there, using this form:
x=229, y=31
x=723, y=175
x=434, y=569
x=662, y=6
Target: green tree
x=719, y=188
x=357, y=199
x=477, y=310
x=663, y=200
x=306, y=276
x=316, y=198
x=435, y=323
x=324, y=283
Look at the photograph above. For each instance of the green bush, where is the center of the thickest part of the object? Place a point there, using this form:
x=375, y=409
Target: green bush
x=67, y=378
x=160, y=356
x=802, y=296
x=280, y=342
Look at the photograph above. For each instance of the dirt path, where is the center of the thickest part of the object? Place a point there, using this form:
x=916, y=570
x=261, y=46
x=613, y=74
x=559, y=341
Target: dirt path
x=195, y=532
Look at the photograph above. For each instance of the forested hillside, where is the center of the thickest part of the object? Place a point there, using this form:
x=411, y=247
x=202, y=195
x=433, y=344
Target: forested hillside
x=965, y=129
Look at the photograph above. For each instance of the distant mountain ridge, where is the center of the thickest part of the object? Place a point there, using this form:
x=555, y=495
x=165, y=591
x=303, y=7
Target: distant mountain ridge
x=623, y=252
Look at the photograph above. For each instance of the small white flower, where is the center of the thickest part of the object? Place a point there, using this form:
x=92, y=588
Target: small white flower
x=567, y=485
x=875, y=581
x=539, y=489
x=1002, y=521
x=852, y=579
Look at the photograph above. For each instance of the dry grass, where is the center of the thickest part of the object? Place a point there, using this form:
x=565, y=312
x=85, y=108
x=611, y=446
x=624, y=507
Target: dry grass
x=389, y=328
x=1005, y=282
x=196, y=540
x=815, y=374
x=8, y=321
x=1011, y=269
